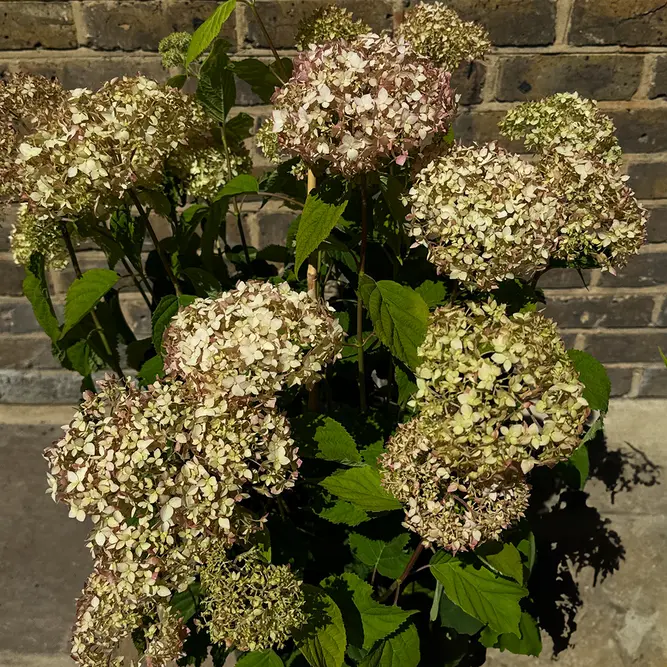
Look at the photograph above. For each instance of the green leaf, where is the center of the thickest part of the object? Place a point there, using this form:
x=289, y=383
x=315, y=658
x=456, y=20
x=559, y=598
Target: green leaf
x=259, y=75
x=204, y=283
x=209, y=30
x=185, y=602
x=388, y=558
x=400, y=318
x=239, y=185
x=433, y=293
x=452, y=616
x=480, y=593
x=268, y=658
x=324, y=438
x=594, y=377
x=378, y=620
x=406, y=385
x=84, y=294
x=239, y=128
x=214, y=228
x=597, y=427
x=317, y=221
x=371, y=453
x=166, y=309
x=177, y=81
x=530, y=642
x=322, y=641
x=36, y=290
x=217, y=89
x=366, y=287
x=504, y=558
x=399, y=650
x=345, y=513
x=82, y=358
x=362, y=487
x=151, y=371
x=581, y=463
x=662, y=355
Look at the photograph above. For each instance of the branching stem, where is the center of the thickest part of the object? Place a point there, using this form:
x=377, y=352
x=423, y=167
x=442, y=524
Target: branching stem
x=360, y=304
x=396, y=586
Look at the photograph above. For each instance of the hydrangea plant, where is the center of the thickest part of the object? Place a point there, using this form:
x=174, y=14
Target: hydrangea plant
x=325, y=452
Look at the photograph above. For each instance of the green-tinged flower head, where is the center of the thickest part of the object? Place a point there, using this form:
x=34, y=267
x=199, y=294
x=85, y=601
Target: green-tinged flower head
x=174, y=49
x=251, y=605
x=205, y=170
x=28, y=104
x=484, y=215
x=452, y=512
x=497, y=391
x=106, y=618
x=437, y=32
x=252, y=341
x=161, y=472
x=267, y=142
x=565, y=123
x=109, y=141
x=31, y=234
x=327, y=24
x=601, y=221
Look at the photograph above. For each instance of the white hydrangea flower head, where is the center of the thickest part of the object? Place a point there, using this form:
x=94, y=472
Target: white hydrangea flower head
x=109, y=141
x=438, y=32
x=497, y=391
x=28, y=104
x=484, y=215
x=564, y=123
x=161, y=474
x=327, y=24
x=249, y=604
x=252, y=341
x=206, y=170
x=451, y=512
x=31, y=234
x=351, y=105
x=600, y=219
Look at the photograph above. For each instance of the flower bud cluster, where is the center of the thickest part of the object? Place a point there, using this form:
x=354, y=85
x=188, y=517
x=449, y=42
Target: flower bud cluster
x=496, y=396
x=327, y=24
x=250, y=604
x=351, y=105
x=484, y=215
x=252, y=341
x=437, y=32
x=174, y=48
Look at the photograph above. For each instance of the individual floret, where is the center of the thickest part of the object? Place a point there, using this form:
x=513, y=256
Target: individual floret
x=252, y=341
x=565, y=123
x=437, y=32
x=251, y=605
x=327, y=24
x=349, y=106
x=497, y=391
x=484, y=215
x=451, y=512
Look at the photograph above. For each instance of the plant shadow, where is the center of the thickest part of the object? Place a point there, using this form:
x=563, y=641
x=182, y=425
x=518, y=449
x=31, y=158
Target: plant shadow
x=572, y=535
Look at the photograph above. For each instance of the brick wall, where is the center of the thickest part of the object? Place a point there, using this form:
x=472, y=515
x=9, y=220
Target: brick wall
x=612, y=50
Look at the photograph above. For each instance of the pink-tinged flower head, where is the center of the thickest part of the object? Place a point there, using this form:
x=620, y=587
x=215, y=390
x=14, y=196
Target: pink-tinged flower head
x=351, y=105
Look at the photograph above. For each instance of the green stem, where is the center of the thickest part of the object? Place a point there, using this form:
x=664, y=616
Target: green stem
x=277, y=195
x=284, y=75
x=396, y=586
x=163, y=258
x=137, y=282
x=360, y=304
x=98, y=325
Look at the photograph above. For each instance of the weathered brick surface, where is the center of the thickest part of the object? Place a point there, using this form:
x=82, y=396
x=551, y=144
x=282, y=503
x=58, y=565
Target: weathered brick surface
x=649, y=180
x=602, y=77
x=654, y=383
x=565, y=279
x=282, y=17
x=657, y=225
x=621, y=380
x=39, y=387
x=31, y=25
x=511, y=22
x=621, y=347
x=659, y=85
x=625, y=22
x=649, y=269
x=641, y=130
x=593, y=312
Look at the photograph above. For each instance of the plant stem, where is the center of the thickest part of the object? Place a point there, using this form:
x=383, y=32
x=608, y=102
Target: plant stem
x=277, y=195
x=312, y=260
x=396, y=586
x=137, y=282
x=163, y=258
x=360, y=303
x=284, y=75
x=98, y=325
